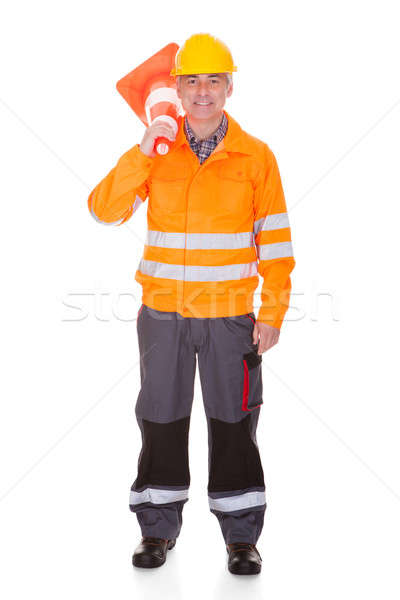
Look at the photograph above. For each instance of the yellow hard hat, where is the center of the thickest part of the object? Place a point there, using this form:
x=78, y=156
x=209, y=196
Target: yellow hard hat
x=203, y=53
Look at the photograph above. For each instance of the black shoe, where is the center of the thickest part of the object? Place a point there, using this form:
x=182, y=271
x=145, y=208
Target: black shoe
x=243, y=559
x=152, y=552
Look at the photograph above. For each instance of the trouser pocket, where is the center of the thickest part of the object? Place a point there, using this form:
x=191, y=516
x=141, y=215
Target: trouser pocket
x=252, y=380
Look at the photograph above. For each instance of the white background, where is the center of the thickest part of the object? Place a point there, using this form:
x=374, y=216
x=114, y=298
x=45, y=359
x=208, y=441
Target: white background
x=317, y=81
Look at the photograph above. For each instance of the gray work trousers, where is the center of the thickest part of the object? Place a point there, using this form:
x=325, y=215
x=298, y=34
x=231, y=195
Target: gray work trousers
x=231, y=383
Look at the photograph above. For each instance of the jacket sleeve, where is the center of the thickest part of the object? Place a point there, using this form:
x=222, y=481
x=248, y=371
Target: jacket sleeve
x=272, y=238
x=122, y=191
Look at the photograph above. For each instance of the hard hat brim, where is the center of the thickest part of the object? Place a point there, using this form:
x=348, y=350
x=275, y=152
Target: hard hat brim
x=175, y=72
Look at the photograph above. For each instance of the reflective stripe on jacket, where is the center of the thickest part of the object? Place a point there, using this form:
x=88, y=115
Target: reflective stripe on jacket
x=211, y=227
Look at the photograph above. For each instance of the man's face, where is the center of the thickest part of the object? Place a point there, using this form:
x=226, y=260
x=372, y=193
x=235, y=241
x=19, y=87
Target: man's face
x=203, y=96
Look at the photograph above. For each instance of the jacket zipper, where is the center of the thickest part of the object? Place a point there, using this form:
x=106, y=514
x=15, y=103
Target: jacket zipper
x=185, y=248
x=199, y=168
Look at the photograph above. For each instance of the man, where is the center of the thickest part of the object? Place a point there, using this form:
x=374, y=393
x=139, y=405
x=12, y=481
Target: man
x=216, y=218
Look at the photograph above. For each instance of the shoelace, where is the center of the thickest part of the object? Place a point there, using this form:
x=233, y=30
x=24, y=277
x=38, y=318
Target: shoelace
x=241, y=544
x=153, y=540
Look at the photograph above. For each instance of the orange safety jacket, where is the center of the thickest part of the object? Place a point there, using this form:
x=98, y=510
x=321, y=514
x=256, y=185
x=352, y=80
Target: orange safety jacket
x=211, y=228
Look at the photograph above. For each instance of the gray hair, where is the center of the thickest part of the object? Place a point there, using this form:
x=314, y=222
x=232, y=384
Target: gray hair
x=229, y=79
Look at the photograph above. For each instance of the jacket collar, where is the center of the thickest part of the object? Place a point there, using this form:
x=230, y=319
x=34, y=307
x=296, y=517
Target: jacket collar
x=233, y=141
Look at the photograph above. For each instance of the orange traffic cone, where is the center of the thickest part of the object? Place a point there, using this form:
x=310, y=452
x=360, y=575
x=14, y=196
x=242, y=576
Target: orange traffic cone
x=150, y=91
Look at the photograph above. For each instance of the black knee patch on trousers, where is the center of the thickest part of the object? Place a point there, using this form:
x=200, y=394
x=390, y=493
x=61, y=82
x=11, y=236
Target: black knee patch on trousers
x=164, y=457
x=235, y=460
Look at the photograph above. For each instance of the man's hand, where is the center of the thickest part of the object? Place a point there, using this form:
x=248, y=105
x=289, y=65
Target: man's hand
x=269, y=336
x=157, y=129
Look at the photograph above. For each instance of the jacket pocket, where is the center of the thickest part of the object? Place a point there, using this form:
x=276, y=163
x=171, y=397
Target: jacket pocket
x=167, y=189
x=168, y=198
x=252, y=380
x=234, y=171
x=234, y=192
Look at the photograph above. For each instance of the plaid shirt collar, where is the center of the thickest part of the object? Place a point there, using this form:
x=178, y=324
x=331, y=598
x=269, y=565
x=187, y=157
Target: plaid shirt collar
x=203, y=148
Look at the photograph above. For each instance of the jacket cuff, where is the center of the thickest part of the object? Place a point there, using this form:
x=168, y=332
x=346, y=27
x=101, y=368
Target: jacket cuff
x=139, y=159
x=273, y=310
x=273, y=319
